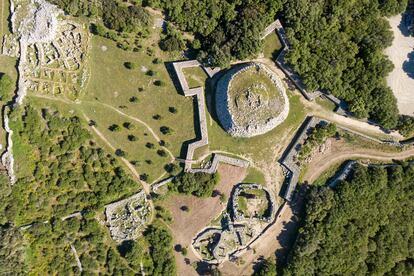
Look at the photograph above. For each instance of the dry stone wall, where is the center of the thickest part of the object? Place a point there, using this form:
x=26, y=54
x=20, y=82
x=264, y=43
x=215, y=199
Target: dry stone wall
x=227, y=116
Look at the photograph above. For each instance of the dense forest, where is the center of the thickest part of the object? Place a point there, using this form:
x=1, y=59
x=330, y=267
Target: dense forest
x=60, y=171
x=226, y=30
x=115, y=16
x=338, y=46
x=363, y=227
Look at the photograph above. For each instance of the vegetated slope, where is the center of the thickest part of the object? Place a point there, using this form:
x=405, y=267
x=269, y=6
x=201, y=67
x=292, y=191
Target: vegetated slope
x=338, y=46
x=362, y=227
x=227, y=30
x=59, y=169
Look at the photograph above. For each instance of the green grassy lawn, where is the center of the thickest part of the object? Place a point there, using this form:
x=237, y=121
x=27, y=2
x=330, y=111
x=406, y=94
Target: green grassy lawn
x=323, y=178
x=7, y=66
x=111, y=83
x=254, y=176
x=328, y=105
x=259, y=148
x=136, y=150
x=271, y=46
x=4, y=22
x=195, y=76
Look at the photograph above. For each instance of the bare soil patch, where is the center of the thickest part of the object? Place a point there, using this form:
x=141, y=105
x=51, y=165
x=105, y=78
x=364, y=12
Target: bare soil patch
x=202, y=211
x=340, y=151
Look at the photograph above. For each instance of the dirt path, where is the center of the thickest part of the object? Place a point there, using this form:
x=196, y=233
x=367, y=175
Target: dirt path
x=145, y=185
x=186, y=225
x=275, y=240
x=317, y=110
x=66, y=101
x=338, y=153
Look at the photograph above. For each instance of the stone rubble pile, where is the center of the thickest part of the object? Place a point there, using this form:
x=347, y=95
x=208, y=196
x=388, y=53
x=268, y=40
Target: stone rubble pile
x=227, y=116
x=127, y=218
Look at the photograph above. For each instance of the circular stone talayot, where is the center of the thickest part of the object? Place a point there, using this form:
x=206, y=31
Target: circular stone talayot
x=250, y=100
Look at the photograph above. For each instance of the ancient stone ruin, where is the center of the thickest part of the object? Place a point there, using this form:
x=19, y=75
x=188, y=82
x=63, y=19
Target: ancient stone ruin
x=238, y=230
x=127, y=218
x=250, y=100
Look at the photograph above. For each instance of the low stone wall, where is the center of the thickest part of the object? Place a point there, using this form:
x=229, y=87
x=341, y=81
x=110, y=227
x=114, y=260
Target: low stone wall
x=223, y=109
x=237, y=216
x=223, y=159
x=198, y=93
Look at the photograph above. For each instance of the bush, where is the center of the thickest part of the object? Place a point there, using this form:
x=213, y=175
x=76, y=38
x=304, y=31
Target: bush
x=120, y=153
x=157, y=117
x=198, y=184
x=159, y=83
x=114, y=128
x=133, y=99
x=165, y=130
x=150, y=145
x=132, y=138
x=172, y=43
x=161, y=153
x=406, y=125
x=172, y=109
x=130, y=65
x=128, y=125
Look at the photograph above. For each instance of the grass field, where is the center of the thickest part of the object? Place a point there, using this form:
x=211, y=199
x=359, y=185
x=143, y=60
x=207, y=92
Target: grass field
x=113, y=84
x=148, y=161
x=259, y=148
x=254, y=176
x=271, y=46
x=7, y=66
x=4, y=22
x=323, y=179
x=195, y=76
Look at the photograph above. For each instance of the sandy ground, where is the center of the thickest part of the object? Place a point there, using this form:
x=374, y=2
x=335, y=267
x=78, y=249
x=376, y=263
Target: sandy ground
x=401, y=53
x=340, y=151
x=202, y=211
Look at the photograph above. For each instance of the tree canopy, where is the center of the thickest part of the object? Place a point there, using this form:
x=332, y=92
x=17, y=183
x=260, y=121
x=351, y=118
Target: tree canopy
x=228, y=30
x=363, y=227
x=338, y=46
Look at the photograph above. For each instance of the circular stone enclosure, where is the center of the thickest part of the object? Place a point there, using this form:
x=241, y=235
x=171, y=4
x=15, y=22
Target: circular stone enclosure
x=250, y=100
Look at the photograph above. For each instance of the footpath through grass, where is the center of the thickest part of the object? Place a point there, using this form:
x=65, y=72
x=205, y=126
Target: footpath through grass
x=146, y=91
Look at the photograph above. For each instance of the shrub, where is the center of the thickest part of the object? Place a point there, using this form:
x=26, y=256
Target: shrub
x=406, y=125
x=114, y=128
x=150, y=145
x=159, y=83
x=157, y=117
x=161, y=153
x=151, y=73
x=132, y=138
x=128, y=125
x=130, y=65
x=120, y=153
x=172, y=43
x=172, y=109
x=198, y=184
x=133, y=99
x=163, y=143
x=165, y=130
x=143, y=177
